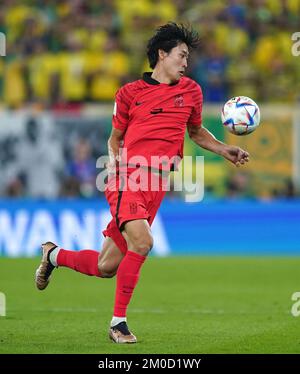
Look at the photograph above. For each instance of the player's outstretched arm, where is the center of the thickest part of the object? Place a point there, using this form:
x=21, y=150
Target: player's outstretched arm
x=205, y=139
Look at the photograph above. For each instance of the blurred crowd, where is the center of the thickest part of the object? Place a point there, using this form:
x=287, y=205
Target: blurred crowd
x=47, y=157
x=74, y=51
x=62, y=53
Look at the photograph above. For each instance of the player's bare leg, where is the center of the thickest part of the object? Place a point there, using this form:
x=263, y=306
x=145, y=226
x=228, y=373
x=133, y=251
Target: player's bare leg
x=103, y=264
x=139, y=241
x=109, y=259
x=139, y=237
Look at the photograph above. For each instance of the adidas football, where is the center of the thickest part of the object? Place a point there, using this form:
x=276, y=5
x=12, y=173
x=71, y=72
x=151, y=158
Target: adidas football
x=240, y=115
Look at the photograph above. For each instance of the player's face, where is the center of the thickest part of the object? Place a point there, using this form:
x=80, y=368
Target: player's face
x=175, y=62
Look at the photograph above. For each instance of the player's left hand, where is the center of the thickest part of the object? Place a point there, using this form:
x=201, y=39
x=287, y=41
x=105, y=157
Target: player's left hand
x=236, y=155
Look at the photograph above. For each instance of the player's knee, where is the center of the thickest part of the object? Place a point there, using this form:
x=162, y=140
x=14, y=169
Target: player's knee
x=143, y=244
x=108, y=275
x=106, y=270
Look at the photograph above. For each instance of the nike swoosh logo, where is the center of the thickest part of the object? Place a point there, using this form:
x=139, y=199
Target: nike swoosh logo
x=139, y=102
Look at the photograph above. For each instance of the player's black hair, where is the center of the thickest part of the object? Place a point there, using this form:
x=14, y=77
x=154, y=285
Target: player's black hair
x=169, y=36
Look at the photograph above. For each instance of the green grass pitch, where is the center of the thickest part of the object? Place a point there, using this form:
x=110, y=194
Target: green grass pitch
x=181, y=305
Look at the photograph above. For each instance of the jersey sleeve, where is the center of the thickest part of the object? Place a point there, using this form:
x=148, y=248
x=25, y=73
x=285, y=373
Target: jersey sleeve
x=121, y=111
x=196, y=115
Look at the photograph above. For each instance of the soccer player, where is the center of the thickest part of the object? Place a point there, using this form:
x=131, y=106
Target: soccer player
x=150, y=119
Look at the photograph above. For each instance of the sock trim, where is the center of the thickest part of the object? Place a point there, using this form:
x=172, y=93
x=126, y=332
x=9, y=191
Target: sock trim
x=116, y=320
x=52, y=255
x=139, y=257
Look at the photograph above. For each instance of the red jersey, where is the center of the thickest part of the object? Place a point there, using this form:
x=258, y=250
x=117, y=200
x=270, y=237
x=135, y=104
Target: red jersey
x=155, y=116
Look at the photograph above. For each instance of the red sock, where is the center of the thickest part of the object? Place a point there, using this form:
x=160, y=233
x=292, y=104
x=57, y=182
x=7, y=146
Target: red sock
x=127, y=277
x=85, y=261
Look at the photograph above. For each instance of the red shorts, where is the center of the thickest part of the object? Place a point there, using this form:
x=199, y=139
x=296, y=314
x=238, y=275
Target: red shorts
x=134, y=194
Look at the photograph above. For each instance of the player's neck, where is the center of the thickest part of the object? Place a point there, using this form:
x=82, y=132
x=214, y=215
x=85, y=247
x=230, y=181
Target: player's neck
x=160, y=76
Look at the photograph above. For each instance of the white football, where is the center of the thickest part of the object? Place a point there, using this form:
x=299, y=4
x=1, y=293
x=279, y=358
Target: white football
x=240, y=115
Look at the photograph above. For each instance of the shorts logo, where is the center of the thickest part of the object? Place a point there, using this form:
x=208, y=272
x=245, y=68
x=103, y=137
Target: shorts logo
x=133, y=208
x=178, y=101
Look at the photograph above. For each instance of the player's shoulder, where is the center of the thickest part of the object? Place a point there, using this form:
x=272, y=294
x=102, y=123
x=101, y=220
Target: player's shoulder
x=190, y=83
x=131, y=88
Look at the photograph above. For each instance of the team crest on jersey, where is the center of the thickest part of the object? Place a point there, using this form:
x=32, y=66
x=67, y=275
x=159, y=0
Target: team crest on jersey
x=133, y=208
x=178, y=101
